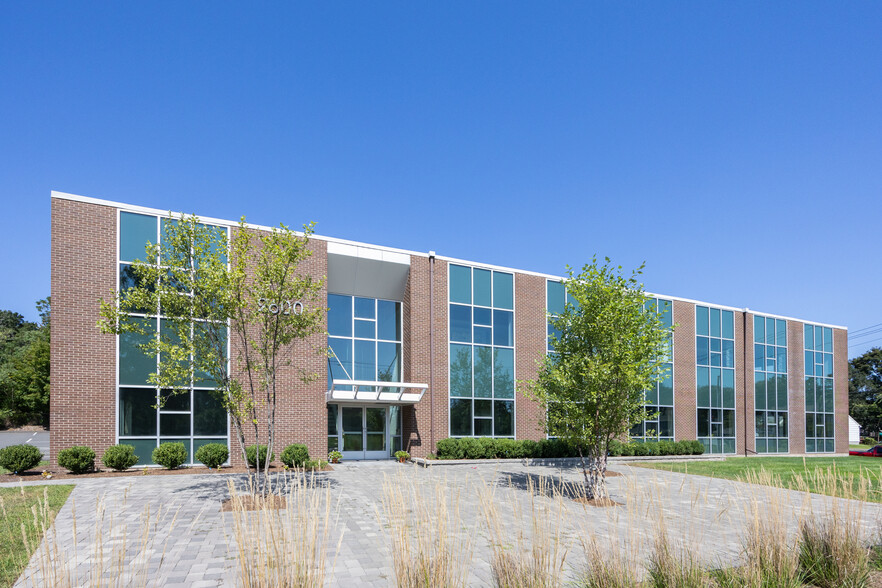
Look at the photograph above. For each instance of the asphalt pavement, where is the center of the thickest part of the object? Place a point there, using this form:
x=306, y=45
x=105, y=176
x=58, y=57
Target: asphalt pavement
x=39, y=439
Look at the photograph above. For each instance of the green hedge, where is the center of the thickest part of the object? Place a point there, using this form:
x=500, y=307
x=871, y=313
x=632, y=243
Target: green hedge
x=488, y=448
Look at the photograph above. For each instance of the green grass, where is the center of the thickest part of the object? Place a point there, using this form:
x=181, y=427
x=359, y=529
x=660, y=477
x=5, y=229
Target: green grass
x=16, y=510
x=788, y=472
x=42, y=464
x=860, y=447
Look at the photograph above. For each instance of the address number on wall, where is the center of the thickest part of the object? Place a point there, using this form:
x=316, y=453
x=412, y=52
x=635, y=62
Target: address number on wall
x=285, y=307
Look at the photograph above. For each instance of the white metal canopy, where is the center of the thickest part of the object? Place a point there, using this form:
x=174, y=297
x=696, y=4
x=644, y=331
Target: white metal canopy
x=374, y=391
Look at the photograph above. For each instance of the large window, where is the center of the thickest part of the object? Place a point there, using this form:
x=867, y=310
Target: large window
x=715, y=378
x=819, y=409
x=365, y=339
x=149, y=416
x=770, y=384
x=482, y=378
x=660, y=398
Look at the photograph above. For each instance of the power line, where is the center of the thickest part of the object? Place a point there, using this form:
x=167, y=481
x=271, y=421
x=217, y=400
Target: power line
x=865, y=329
x=866, y=334
x=864, y=342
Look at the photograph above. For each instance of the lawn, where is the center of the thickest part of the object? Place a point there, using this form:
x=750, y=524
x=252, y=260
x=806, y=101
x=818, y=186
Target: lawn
x=16, y=511
x=812, y=473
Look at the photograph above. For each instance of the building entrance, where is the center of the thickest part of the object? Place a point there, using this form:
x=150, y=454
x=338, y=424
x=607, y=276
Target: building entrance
x=364, y=432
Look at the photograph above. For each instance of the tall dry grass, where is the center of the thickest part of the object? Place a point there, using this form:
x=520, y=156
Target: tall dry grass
x=531, y=557
x=283, y=544
x=114, y=558
x=429, y=542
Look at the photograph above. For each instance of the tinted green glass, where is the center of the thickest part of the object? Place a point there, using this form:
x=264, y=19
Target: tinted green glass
x=819, y=338
x=702, y=351
x=556, y=294
x=208, y=336
x=483, y=373
x=143, y=449
x=503, y=328
x=460, y=284
x=134, y=365
x=715, y=322
x=728, y=353
x=809, y=394
x=782, y=392
x=482, y=287
x=460, y=323
x=770, y=331
x=170, y=334
x=666, y=389
x=135, y=231
x=137, y=412
x=651, y=395
x=716, y=387
x=483, y=316
x=828, y=394
x=503, y=291
x=388, y=320
x=209, y=416
x=666, y=421
x=175, y=401
x=759, y=387
x=332, y=419
x=729, y=445
x=728, y=423
x=460, y=417
x=174, y=425
x=341, y=358
x=828, y=340
x=664, y=309
x=353, y=441
x=782, y=359
x=781, y=336
x=339, y=315
x=728, y=320
x=701, y=321
x=771, y=393
x=759, y=329
x=483, y=408
x=809, y=336
x=760, y=445
x=503, y=373
x=729, y=388
x=759, y=357
x=483, y=427
x=703, y=386
x=460, y=370
x=483, y=336
x=503, y=416
x=703, y=422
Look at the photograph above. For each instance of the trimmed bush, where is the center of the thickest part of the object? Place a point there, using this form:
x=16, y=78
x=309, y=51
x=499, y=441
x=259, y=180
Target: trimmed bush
x=449, y=449
x=251, y=455
x=212, y=455
x=697, y=447
x=667, y=448
x=314, y=464
x=170, y=455
x=614, y=449
x=119, y=457
x=77, y=459
x=20, y=458
x=868, y=441
x=486, y=447
x=294, y=456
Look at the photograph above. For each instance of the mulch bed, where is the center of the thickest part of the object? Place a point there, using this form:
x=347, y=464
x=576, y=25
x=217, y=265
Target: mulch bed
x=36, y=475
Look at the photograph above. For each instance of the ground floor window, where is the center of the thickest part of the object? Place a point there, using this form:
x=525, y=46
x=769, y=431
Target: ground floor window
x=148, y=417
x=660, y=427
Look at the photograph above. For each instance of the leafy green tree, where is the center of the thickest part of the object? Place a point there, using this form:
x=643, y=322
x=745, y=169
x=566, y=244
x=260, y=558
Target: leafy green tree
x=24, y=367
x=259, y=297
x=608, y=351
x=865, y=390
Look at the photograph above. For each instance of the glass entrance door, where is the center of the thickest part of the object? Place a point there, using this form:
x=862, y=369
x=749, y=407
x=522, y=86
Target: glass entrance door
x=364, y=432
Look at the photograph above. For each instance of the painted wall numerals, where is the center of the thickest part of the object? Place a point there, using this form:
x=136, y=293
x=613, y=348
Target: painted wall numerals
x=285, y=307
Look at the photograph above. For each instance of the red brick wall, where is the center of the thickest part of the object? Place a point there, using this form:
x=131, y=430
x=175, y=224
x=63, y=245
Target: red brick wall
x=83, y=399
x=840, y=388
x=684, y=371
x=530, y=341
x=796, y=386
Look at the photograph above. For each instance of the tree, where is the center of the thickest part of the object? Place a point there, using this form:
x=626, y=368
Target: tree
x=259, y=298
x=24, y=367
x=865, y=390
x=608, y=352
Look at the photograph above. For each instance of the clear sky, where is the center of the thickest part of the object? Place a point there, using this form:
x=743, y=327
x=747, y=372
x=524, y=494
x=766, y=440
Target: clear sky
x=735, y=147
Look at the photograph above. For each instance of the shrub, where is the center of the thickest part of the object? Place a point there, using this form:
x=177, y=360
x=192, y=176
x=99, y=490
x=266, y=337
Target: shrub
x=119, y=457
x=614, y=448
x=471, y=449
x=251, y=455
x=20, y=458
x=652, y=448
x=667, y=448
x=314, y=464
x=868, y=441
x=683, y=448
x=449, y=449
x=628, y=449
x=509, y=448
x=170, y=455
x=212, y=455
x=77, y=460
x=697, y=447
x=295, y=455
x=641, y=449
x=529, y=449
x=486, y=448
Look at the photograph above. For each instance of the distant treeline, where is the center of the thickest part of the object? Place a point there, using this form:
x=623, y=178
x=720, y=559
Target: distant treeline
x=24, y=368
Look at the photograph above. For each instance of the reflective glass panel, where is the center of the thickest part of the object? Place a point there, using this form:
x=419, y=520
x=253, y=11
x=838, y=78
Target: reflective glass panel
x=339, y=315
x=482, y=287
x=701, y=321
x=460, y=284
x=503, y=373
x=483, y=373
x=177, y=425
x=365, y=308
x=460, y=370
x=135, y=231
x=137, y=412
x=388, y=320
x=460, y=417
x=365, y=361
x=134, y=365
x=503, y=415
x=503, y=328
x=503, y=291
x=460, y=323
x=556, y=294
x=388, y=362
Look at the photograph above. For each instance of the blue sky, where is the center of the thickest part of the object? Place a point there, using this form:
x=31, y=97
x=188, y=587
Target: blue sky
x=734, y=147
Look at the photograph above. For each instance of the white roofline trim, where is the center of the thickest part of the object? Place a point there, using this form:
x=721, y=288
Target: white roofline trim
x=223, y=222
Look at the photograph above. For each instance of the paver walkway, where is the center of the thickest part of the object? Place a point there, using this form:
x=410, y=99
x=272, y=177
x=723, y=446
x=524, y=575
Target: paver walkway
x=170, y=531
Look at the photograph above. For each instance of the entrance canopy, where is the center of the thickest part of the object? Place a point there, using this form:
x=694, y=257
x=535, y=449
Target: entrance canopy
x=368, y=391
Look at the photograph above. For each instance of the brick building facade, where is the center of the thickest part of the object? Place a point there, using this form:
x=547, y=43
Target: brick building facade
x=459, y=334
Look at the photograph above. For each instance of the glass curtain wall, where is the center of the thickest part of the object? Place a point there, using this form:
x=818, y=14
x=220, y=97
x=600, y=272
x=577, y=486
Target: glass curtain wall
x=660, y=398
x=819, y=409
x=195, y=417
x=715, y=378
x=482, y=378
x=770, y=384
